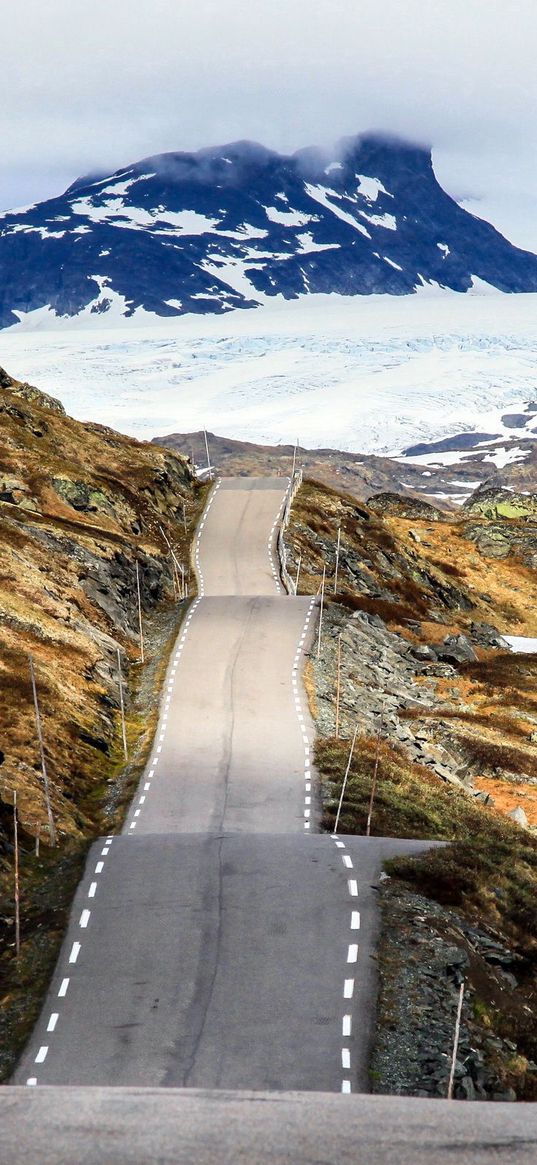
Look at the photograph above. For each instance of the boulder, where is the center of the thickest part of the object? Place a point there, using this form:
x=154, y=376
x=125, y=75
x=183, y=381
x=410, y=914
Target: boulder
x=485, y=635
x=395, y=506
x=456, y=649
x=489, y=501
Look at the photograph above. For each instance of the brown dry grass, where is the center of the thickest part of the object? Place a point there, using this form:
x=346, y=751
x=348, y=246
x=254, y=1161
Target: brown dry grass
x=308, y=679
x=490, y=870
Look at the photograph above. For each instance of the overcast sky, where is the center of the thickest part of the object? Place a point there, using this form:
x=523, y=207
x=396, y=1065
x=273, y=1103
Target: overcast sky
x=92, y=85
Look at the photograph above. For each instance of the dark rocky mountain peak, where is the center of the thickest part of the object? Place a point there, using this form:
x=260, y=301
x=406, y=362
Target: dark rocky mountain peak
x=237, y=225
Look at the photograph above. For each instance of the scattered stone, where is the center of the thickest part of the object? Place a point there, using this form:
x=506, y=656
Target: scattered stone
x=518, y=815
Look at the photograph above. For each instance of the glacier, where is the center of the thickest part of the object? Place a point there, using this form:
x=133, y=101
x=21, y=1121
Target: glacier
x=371, y=375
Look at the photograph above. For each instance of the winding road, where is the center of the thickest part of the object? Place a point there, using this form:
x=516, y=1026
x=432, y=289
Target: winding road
x=221, y=942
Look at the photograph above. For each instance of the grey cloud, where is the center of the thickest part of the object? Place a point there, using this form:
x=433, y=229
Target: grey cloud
x=92, y=86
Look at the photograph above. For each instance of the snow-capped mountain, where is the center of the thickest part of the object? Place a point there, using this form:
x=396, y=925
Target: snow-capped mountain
x=235, y=226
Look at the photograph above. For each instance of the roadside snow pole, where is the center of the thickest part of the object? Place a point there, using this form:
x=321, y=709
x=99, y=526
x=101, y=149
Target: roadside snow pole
x=345, y=778
x=17, y=893
x=338, y=548
x=455, y=1043
x=375, y=774
x=51, y=826
x=209, y=469
x=321, y=613
x=338, y=683
x=295, y=451
x=298, y=565
x=175, y=580
x=141, y=630
x=122, y=705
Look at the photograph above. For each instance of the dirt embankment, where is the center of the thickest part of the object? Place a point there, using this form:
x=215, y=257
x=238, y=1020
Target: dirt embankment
x=446, y=720
x=83, y=511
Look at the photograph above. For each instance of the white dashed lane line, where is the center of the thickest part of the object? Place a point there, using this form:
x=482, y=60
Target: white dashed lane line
x=352, y=960
x=75, y=951
x=85, y=916
x=198, y=538
x=76, y=948
x=299, y=709
x=163, y=725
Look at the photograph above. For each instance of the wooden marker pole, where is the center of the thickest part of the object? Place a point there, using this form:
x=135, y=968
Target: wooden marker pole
x=375, y=774
x=338, y=683
x=174, y=577
x=17, y=892
x=209, y=468
x=345, y=778
x=122, y=705
x=455, y=1042
x=298, y=565
x=321, y=613
x=338, y=548
x=140, y=612
x=51, y=826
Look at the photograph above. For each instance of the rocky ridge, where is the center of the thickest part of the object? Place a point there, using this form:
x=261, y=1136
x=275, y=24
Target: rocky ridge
x=444, y=486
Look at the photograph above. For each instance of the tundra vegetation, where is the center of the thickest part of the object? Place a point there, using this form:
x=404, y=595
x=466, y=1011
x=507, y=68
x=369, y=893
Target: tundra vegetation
x=447, y=727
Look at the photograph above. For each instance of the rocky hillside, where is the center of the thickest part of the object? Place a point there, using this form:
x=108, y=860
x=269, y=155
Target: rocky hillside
x=446, y=472
x=80, y=508
x=422, y=600
x=237, y=225
x=446, y=722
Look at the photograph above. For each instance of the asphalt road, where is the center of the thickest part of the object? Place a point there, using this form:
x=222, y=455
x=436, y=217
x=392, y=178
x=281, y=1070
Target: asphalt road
x=237, y=537
x=99, y=1126
x=233, y=749
x=217, y=961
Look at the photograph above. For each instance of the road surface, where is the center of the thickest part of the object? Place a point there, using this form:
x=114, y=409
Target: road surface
x=220, y=941
x=100, y=1126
